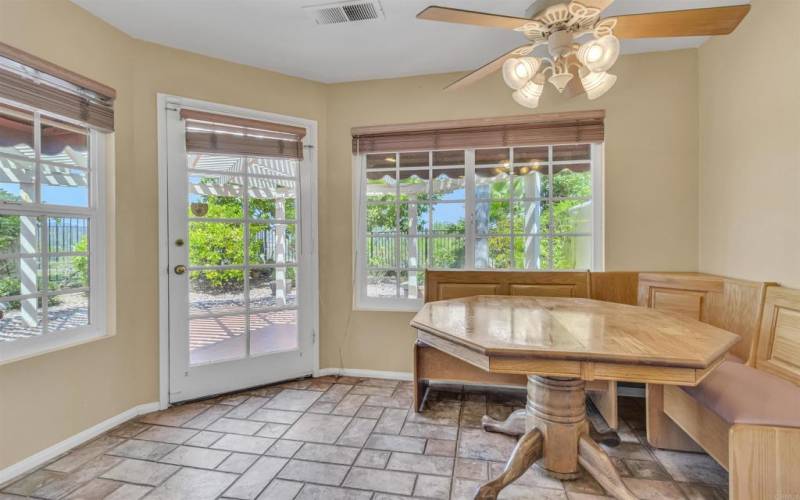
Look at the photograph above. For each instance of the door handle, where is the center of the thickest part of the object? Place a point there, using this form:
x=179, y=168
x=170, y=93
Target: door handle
x=180, y=269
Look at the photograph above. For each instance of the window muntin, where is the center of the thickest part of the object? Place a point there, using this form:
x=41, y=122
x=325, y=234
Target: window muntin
x=484, y=208
x=50, y=232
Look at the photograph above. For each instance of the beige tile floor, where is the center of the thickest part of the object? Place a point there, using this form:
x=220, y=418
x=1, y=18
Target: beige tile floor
x=342, y=438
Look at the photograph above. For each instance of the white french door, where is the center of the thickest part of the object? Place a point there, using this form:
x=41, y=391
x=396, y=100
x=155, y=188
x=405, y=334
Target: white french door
x=242, y=270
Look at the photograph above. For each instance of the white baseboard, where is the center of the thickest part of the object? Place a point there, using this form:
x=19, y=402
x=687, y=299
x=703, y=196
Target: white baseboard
x=354, y=372
x=42, y=457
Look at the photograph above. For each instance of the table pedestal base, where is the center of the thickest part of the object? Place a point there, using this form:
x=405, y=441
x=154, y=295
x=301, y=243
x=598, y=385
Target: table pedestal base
x=556, y=436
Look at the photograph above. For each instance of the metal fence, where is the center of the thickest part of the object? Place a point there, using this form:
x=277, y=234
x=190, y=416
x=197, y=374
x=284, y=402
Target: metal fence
x=445, y=251
x=267, y=239
x=64, y=234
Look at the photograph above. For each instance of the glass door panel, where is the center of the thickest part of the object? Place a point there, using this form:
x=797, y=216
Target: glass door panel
x=237, y=295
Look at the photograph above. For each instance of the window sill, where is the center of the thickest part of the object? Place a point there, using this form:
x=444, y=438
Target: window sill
x=31, y=348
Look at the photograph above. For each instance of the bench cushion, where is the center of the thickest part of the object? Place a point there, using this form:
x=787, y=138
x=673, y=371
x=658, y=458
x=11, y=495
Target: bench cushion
x=733, y=358
x=741, y=394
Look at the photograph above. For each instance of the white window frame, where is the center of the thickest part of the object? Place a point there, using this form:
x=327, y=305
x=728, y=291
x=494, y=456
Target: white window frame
x=361, y=302
x=96, y=212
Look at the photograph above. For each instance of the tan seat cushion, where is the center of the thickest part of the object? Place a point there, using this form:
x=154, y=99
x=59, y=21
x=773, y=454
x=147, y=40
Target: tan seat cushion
x=743, y=395
x=733, y=358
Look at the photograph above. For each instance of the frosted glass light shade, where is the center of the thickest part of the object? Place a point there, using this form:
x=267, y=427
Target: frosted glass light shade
x=596, y=84
x=519, y=71
x=600, y=54
x=560, y=80
x=528, y=95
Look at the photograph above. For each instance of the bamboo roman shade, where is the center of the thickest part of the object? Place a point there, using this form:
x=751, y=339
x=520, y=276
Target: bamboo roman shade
x=221, y=134
x=529, y=130
x=28, y=80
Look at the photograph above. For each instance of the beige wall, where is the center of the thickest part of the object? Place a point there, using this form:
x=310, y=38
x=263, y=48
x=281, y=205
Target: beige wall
x=651, y=198
x=48, y=398
x=750, y=147
x=650, y=182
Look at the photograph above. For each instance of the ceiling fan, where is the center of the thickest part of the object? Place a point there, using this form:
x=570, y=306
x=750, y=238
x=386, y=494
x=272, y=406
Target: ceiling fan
x=576, y=67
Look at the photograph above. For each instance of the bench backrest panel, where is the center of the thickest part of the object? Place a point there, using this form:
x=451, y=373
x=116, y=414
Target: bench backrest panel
x=734, y=305
x=779, y=338
x=615, y=286
x=443, y=285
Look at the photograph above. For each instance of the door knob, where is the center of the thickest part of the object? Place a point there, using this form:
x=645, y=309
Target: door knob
x=180, y=269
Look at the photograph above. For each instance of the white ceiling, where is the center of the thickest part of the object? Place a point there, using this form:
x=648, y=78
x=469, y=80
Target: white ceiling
x=279, y=35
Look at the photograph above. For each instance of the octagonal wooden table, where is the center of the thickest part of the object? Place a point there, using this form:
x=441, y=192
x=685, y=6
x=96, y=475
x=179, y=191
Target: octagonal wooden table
x=560, y=343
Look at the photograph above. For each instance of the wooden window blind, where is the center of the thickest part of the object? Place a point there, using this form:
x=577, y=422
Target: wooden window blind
x=221, y=134
x=29, y=80
x=528, y=130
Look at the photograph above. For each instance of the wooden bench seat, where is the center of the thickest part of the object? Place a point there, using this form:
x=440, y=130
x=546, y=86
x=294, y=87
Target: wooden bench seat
x=741, y=394
x=745, y=415
x=733, y=305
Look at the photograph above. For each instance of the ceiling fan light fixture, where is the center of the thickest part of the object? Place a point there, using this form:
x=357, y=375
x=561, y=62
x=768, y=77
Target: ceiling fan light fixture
x=594, y=53
x=600, y=54
x=528, y=95
x=519, y=71
x=558, y=25
x=596, y=84
x=560, y=80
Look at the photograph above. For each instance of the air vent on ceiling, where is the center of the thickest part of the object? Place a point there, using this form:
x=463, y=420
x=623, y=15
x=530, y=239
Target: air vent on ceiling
x=344, y=12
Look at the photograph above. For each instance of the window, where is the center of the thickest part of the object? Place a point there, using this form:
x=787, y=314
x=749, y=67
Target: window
x=51, y=231
x=520, y=207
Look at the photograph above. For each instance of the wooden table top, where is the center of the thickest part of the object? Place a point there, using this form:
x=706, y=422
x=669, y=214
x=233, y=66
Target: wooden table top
x=516, y=334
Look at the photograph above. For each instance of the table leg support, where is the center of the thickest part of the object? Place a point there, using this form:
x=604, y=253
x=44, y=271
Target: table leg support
x=597, y=463
x=557, y=406
x=558, y=433
x=513, y=426
x=608, y=438
x=527, y=451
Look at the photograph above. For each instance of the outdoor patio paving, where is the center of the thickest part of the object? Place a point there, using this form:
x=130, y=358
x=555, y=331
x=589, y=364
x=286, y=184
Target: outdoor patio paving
x=343, y=438
x=210, y=339
x=221, y=338
x=13, y=327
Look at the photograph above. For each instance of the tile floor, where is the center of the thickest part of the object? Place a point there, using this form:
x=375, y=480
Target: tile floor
x=342, y=438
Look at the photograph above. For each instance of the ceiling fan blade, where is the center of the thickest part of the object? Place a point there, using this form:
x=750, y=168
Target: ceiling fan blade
x=448, y=15
x=597, y=4
x=488, y=68
x=694, y=22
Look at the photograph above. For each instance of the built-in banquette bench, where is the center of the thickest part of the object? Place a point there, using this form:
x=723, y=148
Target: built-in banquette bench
x=746, y=414
x=734, y=305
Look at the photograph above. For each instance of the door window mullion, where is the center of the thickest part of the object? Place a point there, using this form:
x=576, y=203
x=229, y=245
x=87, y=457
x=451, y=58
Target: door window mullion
x=469, y=204
x=246, y=251
x=396, y=238
x=551, y=222
x=512, y=264
x=44, y=239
